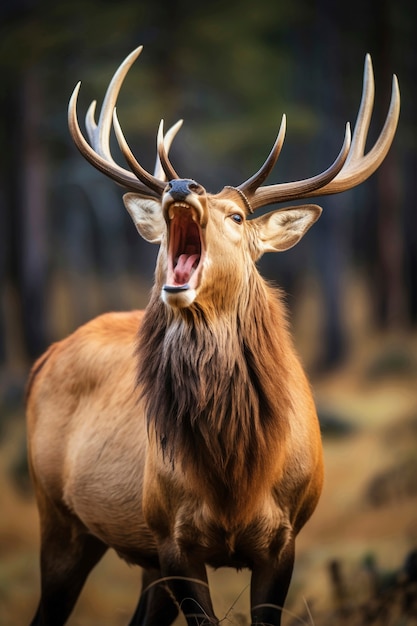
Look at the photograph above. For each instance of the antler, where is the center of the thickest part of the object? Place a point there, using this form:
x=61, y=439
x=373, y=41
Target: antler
x=350, y=168
x=99, y=154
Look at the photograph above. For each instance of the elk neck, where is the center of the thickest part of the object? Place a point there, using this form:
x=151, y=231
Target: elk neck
x=215, y=389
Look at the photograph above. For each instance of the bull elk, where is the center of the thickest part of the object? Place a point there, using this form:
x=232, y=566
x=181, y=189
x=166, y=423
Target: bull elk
x=186, y=435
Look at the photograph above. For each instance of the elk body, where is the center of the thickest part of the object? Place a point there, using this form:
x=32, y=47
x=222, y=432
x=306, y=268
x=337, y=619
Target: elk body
x=185, y=435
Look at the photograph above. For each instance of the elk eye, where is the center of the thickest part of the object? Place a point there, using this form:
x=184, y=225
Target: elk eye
x=236, y=217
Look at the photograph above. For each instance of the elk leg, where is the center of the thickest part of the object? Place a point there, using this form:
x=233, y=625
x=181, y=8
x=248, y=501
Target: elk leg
x=156, y=605
x=269, y=588
x=187, y=579
x=68, y=555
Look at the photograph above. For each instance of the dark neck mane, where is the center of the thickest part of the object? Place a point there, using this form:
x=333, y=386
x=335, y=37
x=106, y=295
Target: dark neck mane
x=216, y=391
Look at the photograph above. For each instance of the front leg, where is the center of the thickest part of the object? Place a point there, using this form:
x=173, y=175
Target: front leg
x=169, y=510
x=156, y=606
x=186, y=576
x=269, y=587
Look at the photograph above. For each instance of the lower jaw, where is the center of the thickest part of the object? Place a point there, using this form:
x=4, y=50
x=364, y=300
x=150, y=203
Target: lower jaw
x=180, y=298
x=176, y=288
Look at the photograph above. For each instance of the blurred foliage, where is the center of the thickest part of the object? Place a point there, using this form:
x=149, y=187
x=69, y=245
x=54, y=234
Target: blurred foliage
x=224, y=67
x=230, y=70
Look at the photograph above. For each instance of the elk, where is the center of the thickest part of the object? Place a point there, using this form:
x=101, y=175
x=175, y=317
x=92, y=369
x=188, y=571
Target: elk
x=186, y=435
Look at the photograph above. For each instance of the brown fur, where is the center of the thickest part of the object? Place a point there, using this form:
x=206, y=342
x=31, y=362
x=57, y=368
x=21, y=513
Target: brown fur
x=179, y=436
x=221, y=410
x=195, y=441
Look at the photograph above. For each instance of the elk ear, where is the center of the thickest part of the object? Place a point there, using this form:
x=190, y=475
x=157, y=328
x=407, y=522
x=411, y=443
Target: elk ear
x=282, y=229
x=146, y=215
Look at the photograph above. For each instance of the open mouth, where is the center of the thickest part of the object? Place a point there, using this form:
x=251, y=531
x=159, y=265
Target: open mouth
x=185, y=249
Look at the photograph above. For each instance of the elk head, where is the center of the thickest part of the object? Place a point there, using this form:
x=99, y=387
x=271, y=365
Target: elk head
x=207, y=239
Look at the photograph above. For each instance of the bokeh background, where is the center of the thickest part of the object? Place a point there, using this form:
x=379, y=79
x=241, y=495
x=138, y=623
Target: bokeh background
x=68, y=252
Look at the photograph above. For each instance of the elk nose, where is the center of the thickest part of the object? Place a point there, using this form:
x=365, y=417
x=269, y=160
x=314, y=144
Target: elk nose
x=180, y=188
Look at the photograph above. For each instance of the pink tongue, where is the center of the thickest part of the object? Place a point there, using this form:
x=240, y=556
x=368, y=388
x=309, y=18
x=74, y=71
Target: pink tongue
x=183, y=268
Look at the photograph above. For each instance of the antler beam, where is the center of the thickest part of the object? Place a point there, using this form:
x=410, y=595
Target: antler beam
x=350, y=168
x=99, y=154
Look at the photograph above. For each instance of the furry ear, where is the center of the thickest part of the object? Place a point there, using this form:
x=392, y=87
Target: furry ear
x=282, y=229
x=146, y=215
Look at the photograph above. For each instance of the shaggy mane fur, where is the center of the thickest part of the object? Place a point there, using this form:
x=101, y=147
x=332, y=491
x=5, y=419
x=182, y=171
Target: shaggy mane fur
x=216, y=392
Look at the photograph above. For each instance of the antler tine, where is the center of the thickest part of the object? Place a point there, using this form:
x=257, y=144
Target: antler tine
x=363, y=119
x=99, y=153
x=99, y=135
x=146, y=178
x=168, y=139
x=261, y=175
x=163, y=155
x=303, y=188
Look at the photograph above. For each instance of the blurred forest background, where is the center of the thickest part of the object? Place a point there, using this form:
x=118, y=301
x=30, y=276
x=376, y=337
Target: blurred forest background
x=68, y=250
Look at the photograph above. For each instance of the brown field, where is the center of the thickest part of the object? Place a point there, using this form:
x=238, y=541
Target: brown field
x=368, y=511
